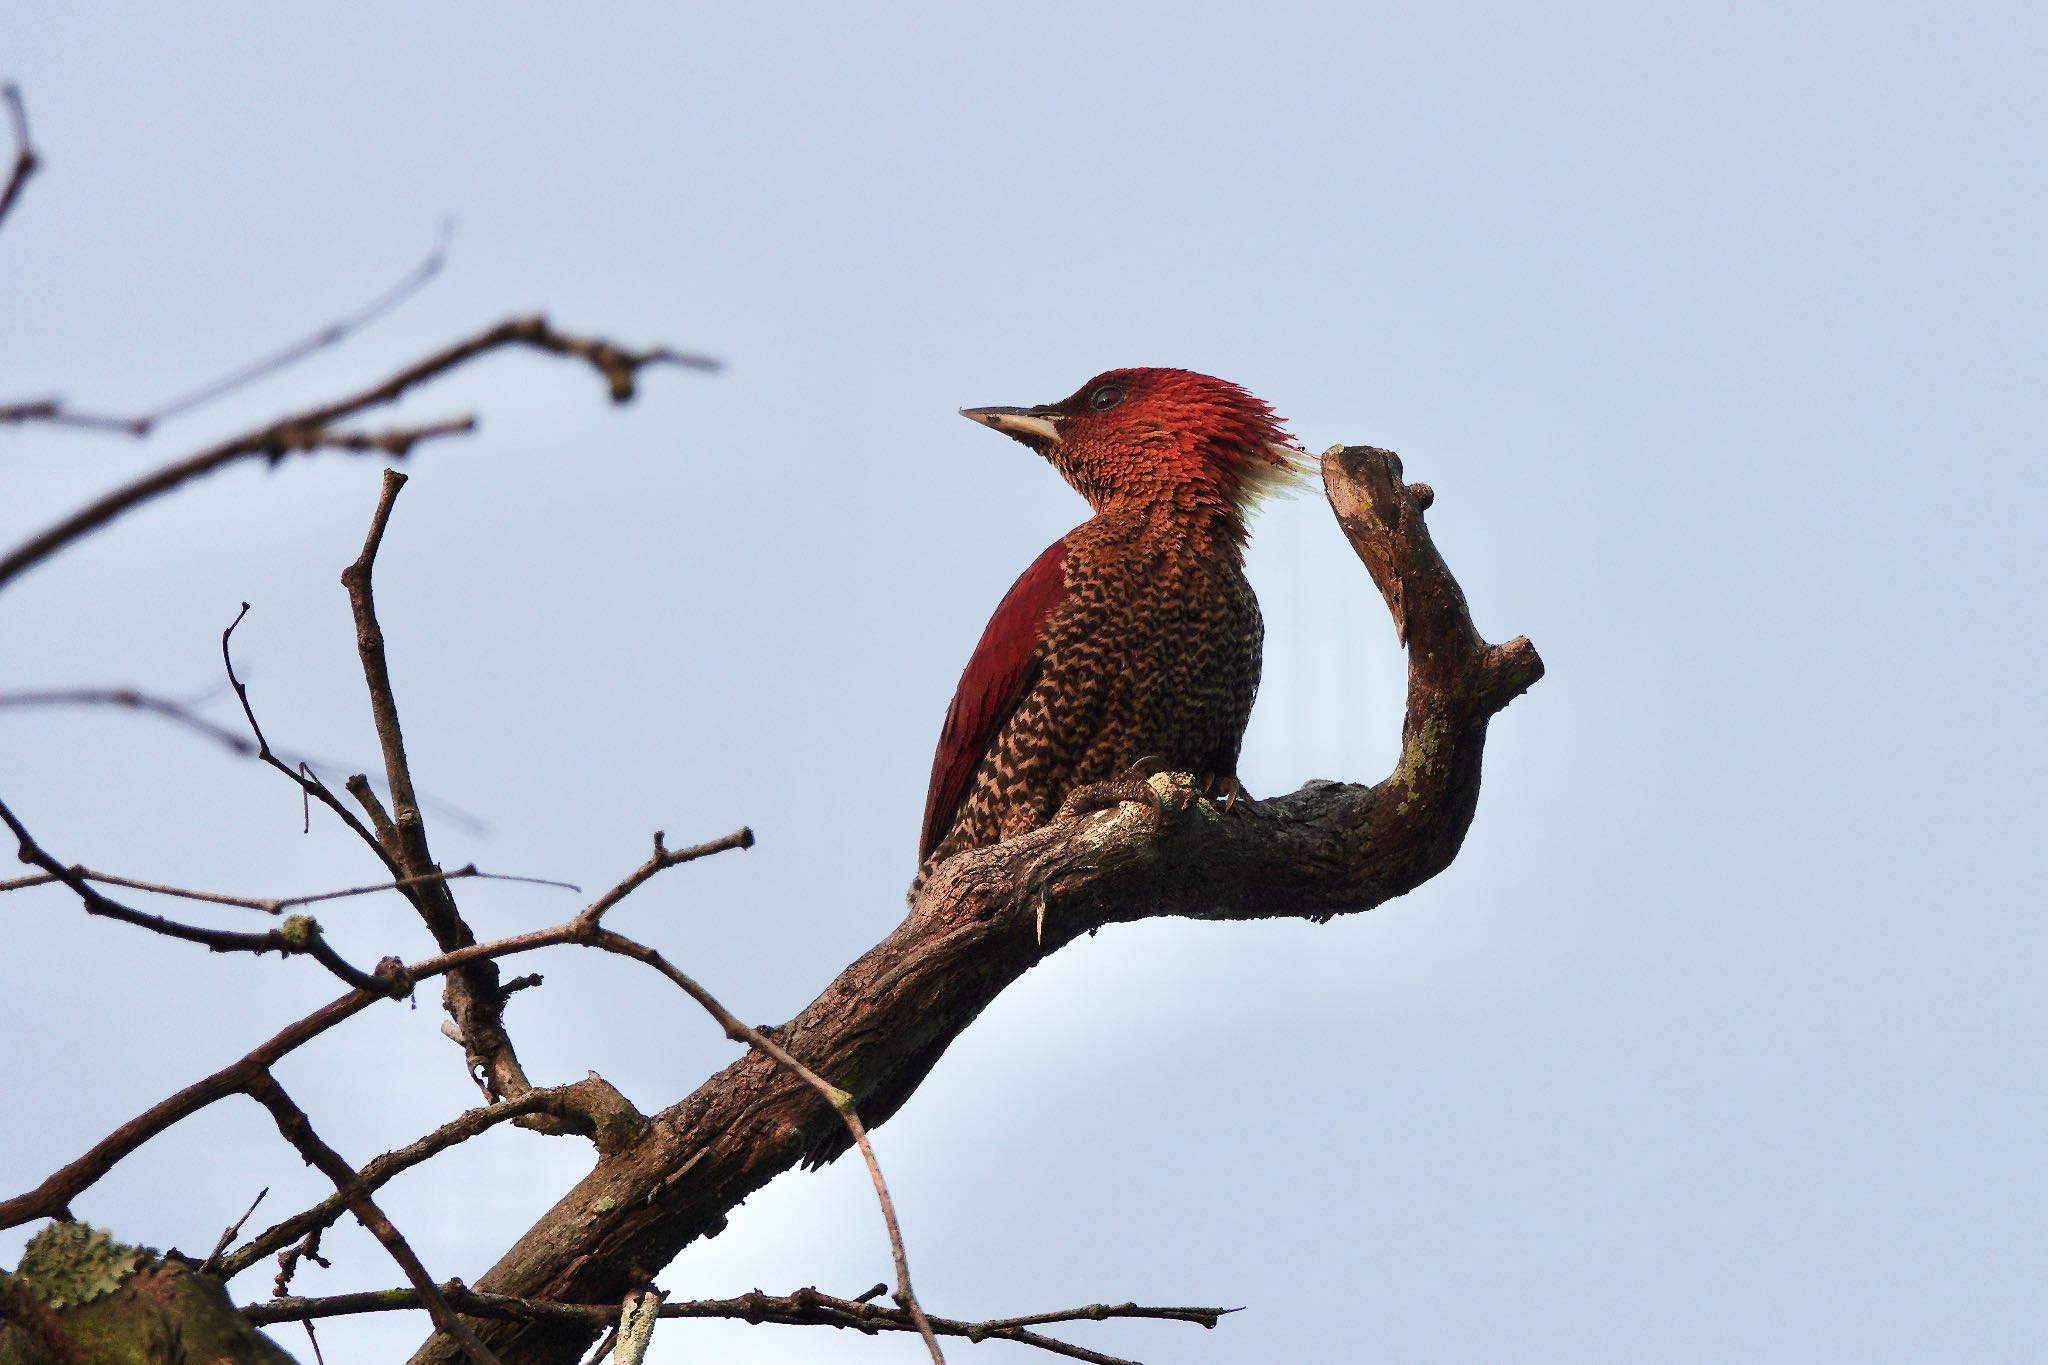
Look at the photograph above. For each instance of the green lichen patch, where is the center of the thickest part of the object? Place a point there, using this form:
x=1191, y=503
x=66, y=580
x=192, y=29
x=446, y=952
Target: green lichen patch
x=299, y=932
x=1419, y=757
x=68, y=1264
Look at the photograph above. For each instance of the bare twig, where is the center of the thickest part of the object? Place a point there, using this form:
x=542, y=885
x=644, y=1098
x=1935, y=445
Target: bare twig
x=604, y=1114
x=54, y=411
x=53, y=1197
x=298, y=1130
x=186, y=714
x=25, y=159
x=619, y=365
x=804, y=1308
x=129, y=698
x=301, y=775
x=308, y=1249
x=211, y=1265
x=396, y=442
x=299, y=934
x=473, y=997
x=276, y=905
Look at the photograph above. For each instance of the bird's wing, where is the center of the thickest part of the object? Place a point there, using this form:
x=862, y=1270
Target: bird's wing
x=1003, y=667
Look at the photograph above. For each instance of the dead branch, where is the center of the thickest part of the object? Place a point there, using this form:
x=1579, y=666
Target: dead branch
x=276, y=905
x=619, y=365
x=186, y=715
x=473, y=995
x=129, y=698
x=299, y=934
x=298, y=1130
x=1330, y=848
x=55, y=412
x=211, y=1265
x=25, y=159
x=590, y=1107
x=52, y=1198
x=301, y=774
x=803, y=1308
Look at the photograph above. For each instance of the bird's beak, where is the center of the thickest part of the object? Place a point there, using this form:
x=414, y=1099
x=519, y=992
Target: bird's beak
x=1033, y=426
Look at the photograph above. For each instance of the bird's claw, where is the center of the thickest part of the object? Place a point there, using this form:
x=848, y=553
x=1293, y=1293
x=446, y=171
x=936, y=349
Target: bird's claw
x=1223, y=788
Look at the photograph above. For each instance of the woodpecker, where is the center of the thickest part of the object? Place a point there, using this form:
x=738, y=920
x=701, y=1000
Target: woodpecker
x=1131, y=645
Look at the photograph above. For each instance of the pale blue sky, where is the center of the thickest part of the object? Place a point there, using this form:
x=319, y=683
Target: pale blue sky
x=1718, y=331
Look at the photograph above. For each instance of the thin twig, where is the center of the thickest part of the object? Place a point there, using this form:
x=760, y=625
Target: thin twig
x=311, y=785
x=299, y=934
x=211, y=1265
x=25, y=159
x=186, y=714
x=590, y=1096
x=129, y=698
x=803, y=1308
x=619, y=365
x=473, y=997
x=52, y=1198
x=308, y=1249
x=298, y=1130
x=54, y=412
x=277, y=905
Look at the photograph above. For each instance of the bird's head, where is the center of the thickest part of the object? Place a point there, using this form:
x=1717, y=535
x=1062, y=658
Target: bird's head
x=1160, y=436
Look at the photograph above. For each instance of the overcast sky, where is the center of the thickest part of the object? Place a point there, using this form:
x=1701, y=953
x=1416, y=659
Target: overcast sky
x=1717, y=329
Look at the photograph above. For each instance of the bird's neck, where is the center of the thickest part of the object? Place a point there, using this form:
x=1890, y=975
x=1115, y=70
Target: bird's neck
x=1168, y=524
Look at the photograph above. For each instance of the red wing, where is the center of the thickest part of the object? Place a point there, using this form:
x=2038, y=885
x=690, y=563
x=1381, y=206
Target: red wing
x=1003, y=667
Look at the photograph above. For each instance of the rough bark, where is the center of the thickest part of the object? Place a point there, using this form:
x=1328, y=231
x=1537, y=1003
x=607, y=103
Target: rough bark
x=985, y=918
x=82, y=1298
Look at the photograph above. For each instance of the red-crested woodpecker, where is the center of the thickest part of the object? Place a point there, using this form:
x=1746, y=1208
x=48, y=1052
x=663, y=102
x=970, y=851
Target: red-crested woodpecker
x=1134, y=639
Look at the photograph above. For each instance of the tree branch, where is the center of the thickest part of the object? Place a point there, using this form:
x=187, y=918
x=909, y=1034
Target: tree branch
x=298, y=1130
x=619, y=366
x=53, y=411
x=832, y=1095
x=1327, y=849
x=299, y=934
x=472, y=995
x=53, y=1197
x=187, y=715
x=26, y=162
x=592, y=1106
x=803, y=1308
x=275, y=905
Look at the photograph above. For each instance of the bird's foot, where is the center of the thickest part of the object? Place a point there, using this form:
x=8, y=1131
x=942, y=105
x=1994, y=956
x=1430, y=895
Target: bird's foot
x=1095, y=796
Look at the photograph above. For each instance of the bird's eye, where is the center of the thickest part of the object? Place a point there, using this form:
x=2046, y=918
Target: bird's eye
x=1105, y=398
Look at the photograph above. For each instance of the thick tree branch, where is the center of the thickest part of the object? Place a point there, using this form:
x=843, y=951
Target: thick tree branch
x=841, y=1102
x=1327, y=849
